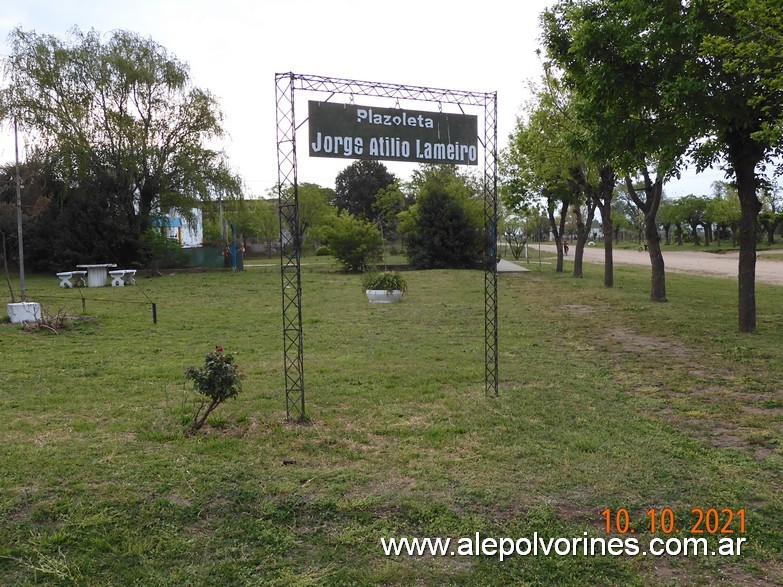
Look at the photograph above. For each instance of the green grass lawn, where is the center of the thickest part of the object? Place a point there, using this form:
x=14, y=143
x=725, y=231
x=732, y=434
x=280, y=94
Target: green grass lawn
x=607, y=400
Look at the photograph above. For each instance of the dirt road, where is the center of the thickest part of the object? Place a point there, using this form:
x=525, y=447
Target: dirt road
x=695, y=262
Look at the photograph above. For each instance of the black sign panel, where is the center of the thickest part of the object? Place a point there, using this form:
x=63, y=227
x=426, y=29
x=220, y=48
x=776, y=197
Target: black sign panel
x=349, y=131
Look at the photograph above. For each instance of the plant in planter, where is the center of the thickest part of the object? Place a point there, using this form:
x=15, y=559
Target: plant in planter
x=384, y=286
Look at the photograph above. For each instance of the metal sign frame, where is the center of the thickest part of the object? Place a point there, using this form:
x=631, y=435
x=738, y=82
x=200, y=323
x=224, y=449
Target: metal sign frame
x=288, y=201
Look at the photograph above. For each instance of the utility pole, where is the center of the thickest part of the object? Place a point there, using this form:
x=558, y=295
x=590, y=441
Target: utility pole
x=19, y=213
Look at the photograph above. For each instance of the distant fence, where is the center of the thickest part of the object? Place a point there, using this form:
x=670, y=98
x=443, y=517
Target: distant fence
x=205, y=256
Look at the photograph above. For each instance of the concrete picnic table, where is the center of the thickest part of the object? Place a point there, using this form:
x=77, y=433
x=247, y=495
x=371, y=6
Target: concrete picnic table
x=97, y=274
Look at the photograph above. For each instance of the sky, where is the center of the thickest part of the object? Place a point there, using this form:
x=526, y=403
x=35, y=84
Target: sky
x=234, y=48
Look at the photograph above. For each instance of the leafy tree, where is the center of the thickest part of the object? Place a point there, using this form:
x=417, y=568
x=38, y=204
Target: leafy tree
x=771, y=197
x=315, y=213
x=741, y=41
x=597, y=187
x=253, y=218
x=724, y=208
x=267, y=223
x=462, y=186
x=771, y=216
x=444, y=227
x=528, y=224
x=122, y=118
x=615, y=56
x=559, y=136
x=357, y=186
x=626, y=214
x=591, y=178
x=769, y=222
x=213, y=232
x=534, y=222
x=314, y=208
x=692, y=210
x=31, y=191
x=731, y=98
x=89, y=226
x=540, y=165
x=442, y=234
x=65, y=225
x=389, y=202
x=667, y=216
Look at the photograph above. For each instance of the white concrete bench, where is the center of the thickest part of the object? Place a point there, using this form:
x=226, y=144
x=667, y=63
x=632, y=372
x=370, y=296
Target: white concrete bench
x=66, y=276
x=121, y=277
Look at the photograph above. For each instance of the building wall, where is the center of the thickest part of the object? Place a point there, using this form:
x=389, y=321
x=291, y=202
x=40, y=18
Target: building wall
x=187, y=233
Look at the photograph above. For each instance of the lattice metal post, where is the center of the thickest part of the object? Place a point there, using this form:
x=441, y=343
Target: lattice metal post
x=290, y=247
x=491, y=256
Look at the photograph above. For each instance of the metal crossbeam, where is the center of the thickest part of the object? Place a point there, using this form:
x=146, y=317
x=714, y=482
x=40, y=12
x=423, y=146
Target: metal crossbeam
x=317, y=83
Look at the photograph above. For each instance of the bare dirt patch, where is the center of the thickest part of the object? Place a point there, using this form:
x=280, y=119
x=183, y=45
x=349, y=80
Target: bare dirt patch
x=768, y=270
x=578, y=309
x=711, y=408
x=625, y=340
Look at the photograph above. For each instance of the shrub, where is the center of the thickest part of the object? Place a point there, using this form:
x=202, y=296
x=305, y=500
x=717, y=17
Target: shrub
x=323, y=252
x=385, y=280
x=355, y=243
x=439, y=233
x=157, y=251
x=218, y=381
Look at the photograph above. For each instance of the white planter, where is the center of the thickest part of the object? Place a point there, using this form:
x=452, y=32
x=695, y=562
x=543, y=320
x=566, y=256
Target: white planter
x=24, y=312
x=381, y=296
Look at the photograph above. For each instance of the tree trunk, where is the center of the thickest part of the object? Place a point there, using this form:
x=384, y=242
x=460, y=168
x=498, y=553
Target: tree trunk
x=747, y=265
x=667, y=228
x=583, y=233
x=653, y=191
x=581, y=236
x=607, y=182
x=771, y=234
x=658, y=282
x=695, y=233
x=146, y=200
x=744, y=155
x=608, y=252
x=558, y=231
x=747, y=258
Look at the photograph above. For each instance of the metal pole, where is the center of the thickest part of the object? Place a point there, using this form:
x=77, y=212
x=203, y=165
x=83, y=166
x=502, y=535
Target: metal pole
x=290, y=248
x=19, y=213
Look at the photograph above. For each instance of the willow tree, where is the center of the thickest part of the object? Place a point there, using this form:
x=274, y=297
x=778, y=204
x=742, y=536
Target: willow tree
x=121, y=116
